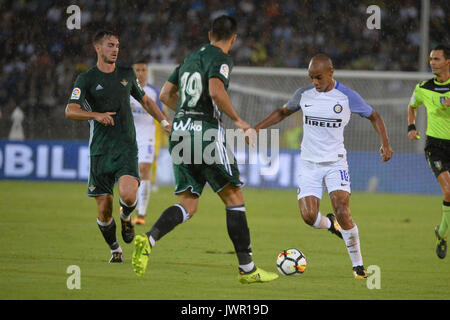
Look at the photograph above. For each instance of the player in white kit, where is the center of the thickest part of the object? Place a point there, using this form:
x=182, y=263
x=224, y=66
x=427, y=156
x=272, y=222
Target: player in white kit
x=327, y=105
x=145, y=137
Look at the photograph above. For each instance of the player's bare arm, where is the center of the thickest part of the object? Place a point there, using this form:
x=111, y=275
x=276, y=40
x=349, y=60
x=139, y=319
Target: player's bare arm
x=75, y=112
x=274, y=118
x=412, y=116
x=378, y=124
x=150, y=106
x=220, y=97
x=169, y=95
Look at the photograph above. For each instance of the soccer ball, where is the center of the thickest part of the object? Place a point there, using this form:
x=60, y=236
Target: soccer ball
x=291, y=262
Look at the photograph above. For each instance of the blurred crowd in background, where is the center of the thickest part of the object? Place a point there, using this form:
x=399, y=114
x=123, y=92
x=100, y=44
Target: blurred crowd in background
x=40, y=57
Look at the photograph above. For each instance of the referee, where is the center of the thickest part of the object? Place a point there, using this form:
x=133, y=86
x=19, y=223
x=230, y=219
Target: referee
x=435, y=95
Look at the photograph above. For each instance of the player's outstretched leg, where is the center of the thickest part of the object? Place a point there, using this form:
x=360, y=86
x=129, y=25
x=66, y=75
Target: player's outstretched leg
x=441, y=244
x=144, y=243
x=309, y=210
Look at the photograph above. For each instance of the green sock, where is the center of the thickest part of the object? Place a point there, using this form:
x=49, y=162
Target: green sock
x=445, y=219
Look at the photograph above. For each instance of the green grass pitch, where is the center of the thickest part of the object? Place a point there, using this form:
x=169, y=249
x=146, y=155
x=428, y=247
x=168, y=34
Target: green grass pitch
x=46, y=227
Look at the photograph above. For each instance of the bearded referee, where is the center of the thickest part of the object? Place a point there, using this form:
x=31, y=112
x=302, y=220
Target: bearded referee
x=101, y=95
x=435, y=95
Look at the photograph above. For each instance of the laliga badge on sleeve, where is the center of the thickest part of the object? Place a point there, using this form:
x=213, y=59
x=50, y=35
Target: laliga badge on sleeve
x=76, y=94
x=224, y=70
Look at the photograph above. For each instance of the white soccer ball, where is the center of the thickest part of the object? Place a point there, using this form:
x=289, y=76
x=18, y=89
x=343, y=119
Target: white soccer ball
x=291, y=262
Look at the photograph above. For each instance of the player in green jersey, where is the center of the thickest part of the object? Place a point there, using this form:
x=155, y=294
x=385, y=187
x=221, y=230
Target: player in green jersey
x=196, y=91
x=435, y=95
x=101, y=95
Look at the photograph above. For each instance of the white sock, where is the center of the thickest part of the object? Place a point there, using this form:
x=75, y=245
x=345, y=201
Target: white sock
x=186, y=215
x=143, y=196
x=119, y=249
x=104, y=224
x=322, y=222
x=152, y=241
x=247, y=267
x=351, y=238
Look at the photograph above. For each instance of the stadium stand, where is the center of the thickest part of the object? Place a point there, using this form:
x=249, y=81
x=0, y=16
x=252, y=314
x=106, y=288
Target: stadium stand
x=40, y=57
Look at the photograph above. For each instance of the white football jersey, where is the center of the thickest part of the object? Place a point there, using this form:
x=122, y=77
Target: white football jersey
x=325, y=115
x=143, y=121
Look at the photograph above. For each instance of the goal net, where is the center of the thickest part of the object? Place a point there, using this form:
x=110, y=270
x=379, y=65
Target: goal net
x=256, y=92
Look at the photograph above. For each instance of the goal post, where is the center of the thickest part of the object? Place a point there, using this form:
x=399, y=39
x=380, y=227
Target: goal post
x=256, y=91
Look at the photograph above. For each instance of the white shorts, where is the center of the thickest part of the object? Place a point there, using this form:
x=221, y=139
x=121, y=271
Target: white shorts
x=315, y=178
x=146, y=152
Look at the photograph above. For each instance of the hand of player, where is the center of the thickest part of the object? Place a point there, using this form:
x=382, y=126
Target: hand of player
x=241, y=124
x=167, y=128
x=413, y=135
x=447, y=101
x=251, y=136
x=106, y=118
x=386, y=153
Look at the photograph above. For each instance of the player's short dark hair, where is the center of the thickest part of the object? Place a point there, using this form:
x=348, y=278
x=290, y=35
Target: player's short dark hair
x=445, y=49
x=100, y=34
x=141, y=61
x=223, y=28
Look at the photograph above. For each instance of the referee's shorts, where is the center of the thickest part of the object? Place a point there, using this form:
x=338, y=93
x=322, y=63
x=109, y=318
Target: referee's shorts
x=437, y=153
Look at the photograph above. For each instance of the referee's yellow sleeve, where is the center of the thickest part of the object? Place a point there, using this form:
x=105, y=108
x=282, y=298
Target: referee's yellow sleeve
x=416, y=98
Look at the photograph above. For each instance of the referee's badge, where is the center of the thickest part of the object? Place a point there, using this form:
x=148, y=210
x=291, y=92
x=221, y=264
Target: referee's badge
x=337, y=108
x=124, y=82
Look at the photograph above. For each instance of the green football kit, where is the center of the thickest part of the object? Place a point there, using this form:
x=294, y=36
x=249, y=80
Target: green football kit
x=196, y=143
x=113, y=149
x=432, y=93
x=199, y=156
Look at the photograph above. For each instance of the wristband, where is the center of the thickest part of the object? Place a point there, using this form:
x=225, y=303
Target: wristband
x=164, y=123
x=411, y=127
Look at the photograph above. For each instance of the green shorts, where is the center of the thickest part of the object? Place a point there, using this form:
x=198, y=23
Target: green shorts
x=201, y=161
x=194, y=177
x=105, y=170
